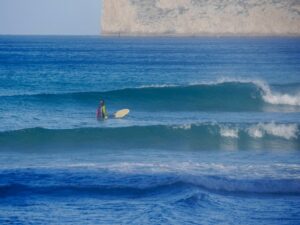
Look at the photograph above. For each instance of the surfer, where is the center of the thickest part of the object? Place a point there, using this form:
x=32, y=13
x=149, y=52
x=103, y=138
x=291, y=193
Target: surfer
x=101, y=111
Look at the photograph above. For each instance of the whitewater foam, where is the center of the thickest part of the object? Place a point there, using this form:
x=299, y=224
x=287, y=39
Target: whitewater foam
x=183, y=126
x=268, y=95
x=229, y=132
x=287, y=131
x=205, y=135
x=280, y=99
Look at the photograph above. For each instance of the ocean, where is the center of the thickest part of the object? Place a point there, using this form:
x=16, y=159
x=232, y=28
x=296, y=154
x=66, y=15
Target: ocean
x=212, y=136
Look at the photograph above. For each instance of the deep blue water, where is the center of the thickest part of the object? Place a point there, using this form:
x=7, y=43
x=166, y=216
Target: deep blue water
x=212, y=136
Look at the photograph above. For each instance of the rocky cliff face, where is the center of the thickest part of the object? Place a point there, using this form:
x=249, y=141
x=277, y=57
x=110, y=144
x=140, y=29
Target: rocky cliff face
x=201, y=17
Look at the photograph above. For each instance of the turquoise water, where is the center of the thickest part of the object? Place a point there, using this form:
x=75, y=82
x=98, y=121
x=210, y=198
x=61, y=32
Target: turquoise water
x=212, y=136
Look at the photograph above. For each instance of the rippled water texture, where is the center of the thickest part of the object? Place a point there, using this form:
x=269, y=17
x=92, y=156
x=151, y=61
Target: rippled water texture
x=212, y=136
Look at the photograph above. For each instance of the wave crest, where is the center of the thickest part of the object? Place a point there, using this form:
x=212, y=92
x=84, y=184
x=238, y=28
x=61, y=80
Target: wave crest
x=143, y=179
x=268, y=95
x=221, y=95
x=229, y=132
x=187, y=136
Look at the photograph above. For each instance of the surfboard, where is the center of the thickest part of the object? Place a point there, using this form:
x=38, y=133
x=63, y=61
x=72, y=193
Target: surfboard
x=121, y=113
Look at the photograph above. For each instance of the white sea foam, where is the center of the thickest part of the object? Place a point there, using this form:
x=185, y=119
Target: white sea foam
x=158, y=85
x=287, y=131
x=268, y=95
x=229, y=132
x=183, y=126
x=255, y=132
x=280, y=99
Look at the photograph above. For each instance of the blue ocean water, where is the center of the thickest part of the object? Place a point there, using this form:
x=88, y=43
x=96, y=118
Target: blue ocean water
x=212, y=136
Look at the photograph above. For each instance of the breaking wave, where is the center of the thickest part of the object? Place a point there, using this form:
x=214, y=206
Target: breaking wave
x=222, y=95
x=185, y=136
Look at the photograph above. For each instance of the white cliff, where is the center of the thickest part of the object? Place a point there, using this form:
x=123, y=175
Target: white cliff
x=201, y=17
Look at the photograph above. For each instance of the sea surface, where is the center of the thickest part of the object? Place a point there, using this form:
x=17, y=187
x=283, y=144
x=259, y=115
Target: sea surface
x=212, y=136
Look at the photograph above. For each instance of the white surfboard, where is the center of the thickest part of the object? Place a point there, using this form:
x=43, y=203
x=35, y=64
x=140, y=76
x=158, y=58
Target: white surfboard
x=121, y=113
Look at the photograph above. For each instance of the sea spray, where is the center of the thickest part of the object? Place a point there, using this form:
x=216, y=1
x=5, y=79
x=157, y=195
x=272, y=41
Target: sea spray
x=287, y=131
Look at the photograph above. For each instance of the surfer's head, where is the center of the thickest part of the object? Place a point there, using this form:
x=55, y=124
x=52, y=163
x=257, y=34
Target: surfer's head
x=101, y=102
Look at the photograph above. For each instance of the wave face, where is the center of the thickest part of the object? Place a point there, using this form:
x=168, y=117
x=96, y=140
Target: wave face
x=146, y=179
x=166, y=188
x=188, y=136
x=223, y=95
x=194, y=149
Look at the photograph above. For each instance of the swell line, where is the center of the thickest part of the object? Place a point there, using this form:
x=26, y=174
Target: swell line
x=163, y=183
x=187, y=136
x=225, y=95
